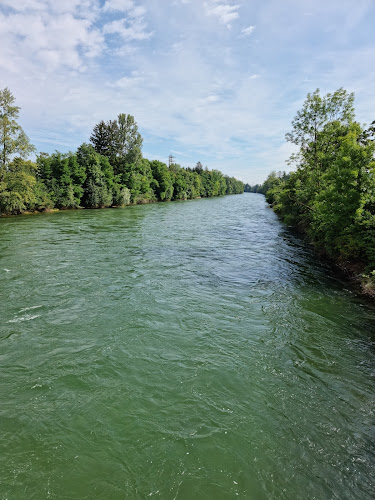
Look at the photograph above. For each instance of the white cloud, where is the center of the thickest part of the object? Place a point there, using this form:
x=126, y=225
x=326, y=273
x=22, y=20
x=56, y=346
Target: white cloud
x=212, y=98
x=197, y=90
x=119, y=5
x=51, y=40
x=84, y=8
x=133, y=29
x=45, y=35
x=247, y=31
x=225, y=13
x=128, y=82
x=127, y=6
x=23, y=5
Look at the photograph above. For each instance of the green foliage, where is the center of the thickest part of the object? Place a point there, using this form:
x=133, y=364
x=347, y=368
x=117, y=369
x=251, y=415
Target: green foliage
x=316, y=113
x=108, y=172
x=63, y=177
x=180, y=183
x=17, y=189
x=97, y=191
x=233, y=185
x=13, y=139
x=163, y=185
x=140, y=182
x=198, y=183
x=121, y=196
x=119, y=140
x=331, y=196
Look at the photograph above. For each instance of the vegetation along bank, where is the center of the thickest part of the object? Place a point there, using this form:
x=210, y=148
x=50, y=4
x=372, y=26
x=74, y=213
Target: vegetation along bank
x=330, y=197
x=108, y=171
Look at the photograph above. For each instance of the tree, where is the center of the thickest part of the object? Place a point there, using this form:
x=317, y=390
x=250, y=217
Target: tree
x=367, y=135
x=198, y=168
x=119, y=140
x=311, y=122
x=20, y=190
x=63, y=177
x=97, y=193
x=13, y=139
x=163, y=185
x=331, y=196
x=129, y=140
x=140, y=182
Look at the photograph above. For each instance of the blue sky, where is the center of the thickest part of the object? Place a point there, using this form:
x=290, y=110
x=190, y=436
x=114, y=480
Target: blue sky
x=211, y=81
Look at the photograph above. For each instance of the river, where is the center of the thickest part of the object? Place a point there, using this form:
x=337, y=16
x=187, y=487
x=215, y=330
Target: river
x=185, y=350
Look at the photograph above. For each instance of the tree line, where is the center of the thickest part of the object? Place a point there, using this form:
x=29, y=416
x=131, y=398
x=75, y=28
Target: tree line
x=262, y=188
x=330, y=197
x=107, y=171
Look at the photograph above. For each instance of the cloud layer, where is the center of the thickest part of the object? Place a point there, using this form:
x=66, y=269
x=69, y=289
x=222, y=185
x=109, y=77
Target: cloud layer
x=216, y=81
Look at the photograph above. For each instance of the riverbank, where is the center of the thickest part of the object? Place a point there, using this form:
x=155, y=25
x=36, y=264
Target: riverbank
x=330, y=194
x=87, y=179
x=139, y=202
x=355, y=272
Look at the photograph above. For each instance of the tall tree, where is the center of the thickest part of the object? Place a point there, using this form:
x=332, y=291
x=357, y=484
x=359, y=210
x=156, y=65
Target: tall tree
x=309, y=127
x=129, y=139
x=13, y=139
x=97, y=193
x=119, y=140
x=331, y=196
x=163, y=184
x=198, y=168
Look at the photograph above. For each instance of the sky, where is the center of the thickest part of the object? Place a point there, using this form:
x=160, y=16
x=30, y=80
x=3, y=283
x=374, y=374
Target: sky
x=215, y=81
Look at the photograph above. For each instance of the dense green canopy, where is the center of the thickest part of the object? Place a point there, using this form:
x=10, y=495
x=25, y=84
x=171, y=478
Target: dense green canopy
x=331, y=195
x=110, y=171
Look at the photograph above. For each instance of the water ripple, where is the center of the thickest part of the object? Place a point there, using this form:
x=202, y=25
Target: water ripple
x=180, y=350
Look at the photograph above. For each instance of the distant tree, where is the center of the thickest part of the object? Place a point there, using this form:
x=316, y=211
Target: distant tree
x=119, y=140
x=180, y=183
x=20, y=190
x=198, y=186
x=97, y=191
x=198, y=167
x=103, y=138
x=163, y=185
x=129, y=139
x=63, y=177
x=140, y=182
x=256, y=188
x=310, y=127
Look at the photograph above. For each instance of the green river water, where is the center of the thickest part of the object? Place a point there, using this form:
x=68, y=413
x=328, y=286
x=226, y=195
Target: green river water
x=188, y=350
